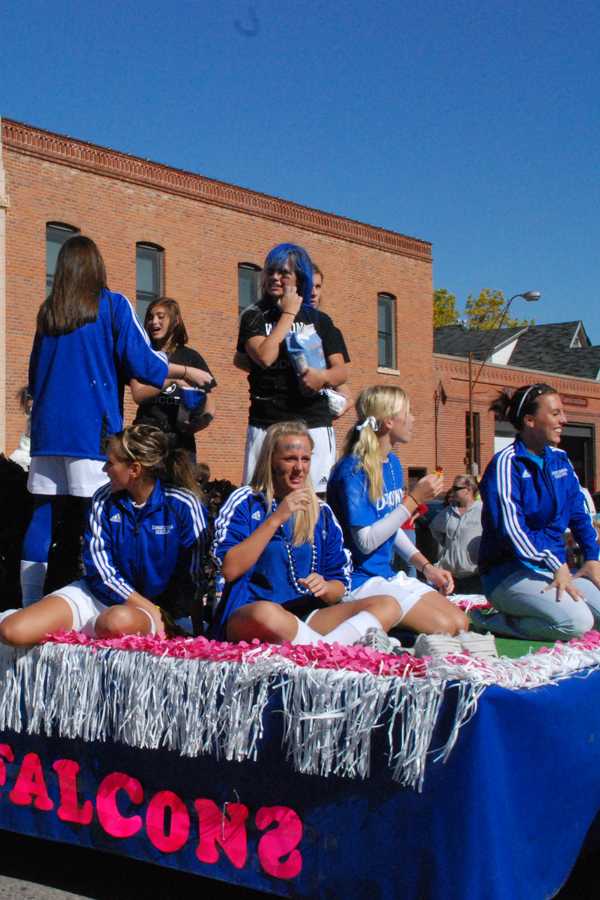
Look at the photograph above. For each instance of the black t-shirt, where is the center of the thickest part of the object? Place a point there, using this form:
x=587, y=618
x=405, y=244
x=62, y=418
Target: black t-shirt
x=275, y=394
x=161, y=410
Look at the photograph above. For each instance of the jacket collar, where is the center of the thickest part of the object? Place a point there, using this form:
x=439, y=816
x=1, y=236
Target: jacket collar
x=154, y=501
x=522, y=451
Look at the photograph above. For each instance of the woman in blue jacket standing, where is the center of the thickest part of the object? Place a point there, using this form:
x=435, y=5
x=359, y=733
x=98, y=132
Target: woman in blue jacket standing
x=88, y=345
x=531, y=495
x=143, y=552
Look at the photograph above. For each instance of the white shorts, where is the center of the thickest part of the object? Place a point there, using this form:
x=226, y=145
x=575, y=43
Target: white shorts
x=65, y=475
x=322, y=461
x=406, y=591
x=86, y=607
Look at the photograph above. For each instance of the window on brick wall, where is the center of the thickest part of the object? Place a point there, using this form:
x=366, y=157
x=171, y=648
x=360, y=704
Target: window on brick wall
x=248, y=285
x=386, y=331
x=149, y=267
x=56, y=234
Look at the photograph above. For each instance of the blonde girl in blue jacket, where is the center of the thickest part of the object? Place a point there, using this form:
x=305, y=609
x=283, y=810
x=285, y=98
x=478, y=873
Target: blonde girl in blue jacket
x=143, y=553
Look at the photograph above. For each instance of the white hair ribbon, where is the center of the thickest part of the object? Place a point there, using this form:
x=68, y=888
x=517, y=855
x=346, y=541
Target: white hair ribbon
x=370, y=420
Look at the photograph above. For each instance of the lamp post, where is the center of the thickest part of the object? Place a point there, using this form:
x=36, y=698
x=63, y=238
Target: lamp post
x=530, y=297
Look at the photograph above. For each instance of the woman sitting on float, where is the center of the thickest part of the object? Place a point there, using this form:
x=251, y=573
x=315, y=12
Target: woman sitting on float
x=282, y=556
x=366, y=493
x=142, y=552
x=531, y=495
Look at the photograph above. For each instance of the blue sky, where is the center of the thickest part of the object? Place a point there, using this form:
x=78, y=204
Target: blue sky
x=474, y=125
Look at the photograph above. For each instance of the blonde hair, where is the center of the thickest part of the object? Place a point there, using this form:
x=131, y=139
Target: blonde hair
x=149, y=446
x=262, y=479
x=378, y=402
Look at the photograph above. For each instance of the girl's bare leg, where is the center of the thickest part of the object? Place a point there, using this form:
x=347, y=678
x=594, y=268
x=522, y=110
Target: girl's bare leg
x=384, y=608
x=434, y=614
x=266, y=621
x=119, y=620
x=28, y=626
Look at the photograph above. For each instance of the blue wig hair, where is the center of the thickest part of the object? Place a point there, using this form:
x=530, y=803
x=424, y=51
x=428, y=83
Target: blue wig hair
x=301, y=262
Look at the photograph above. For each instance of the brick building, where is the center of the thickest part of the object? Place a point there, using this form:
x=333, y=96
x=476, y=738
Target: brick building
x=199, y=240
x=162, y=230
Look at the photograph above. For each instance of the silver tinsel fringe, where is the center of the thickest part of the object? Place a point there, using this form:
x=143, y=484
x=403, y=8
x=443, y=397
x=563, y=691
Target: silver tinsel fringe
x=197, y=707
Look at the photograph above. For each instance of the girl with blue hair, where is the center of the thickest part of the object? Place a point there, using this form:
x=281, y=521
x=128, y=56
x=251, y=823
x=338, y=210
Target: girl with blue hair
x=277, y=393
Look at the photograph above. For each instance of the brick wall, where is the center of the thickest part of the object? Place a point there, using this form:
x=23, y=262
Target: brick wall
x=206, y=229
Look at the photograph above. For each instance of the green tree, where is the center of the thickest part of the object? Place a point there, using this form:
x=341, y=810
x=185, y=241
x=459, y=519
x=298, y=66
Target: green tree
x=444, y=308
x=484, y=312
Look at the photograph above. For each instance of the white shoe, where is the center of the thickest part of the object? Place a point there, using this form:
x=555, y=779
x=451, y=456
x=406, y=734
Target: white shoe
x=437, y=645
x=482, y=645
x=377, y=639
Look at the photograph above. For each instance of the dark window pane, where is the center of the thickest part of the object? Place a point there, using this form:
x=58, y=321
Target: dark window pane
x=56, y=235
x=386, y=337
x=248, y=285
x=149, y=269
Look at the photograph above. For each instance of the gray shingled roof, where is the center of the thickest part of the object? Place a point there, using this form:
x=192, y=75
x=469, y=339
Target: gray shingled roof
x=544, y=347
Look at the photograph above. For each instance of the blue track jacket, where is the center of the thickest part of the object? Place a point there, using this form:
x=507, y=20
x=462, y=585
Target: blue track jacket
x=527, y=507
x=157, y=550
x=76, y=380
x=270, y=579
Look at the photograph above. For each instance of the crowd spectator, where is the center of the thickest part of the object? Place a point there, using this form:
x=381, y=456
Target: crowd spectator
x=457, y=530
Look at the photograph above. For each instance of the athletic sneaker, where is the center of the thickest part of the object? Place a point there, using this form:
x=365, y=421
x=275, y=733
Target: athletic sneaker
x=438, y=645
x=482, y=645
x=377, y=639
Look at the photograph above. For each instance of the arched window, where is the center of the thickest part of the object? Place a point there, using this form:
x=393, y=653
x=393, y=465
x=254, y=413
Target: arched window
x=386, y=331
x=248, y=285
x=149, y=268
x=56, y=234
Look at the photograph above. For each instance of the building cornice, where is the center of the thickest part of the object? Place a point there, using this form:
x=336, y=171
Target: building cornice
x=113, y=164
x=497, y=375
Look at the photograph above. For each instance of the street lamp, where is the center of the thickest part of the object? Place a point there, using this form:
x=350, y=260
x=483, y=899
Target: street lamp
x=530, y=297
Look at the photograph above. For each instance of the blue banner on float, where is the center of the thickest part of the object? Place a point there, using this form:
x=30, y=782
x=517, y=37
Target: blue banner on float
x=504, y=818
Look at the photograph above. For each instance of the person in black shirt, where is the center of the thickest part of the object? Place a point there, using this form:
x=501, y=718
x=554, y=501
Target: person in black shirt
x=166, y=411
x=277, y=393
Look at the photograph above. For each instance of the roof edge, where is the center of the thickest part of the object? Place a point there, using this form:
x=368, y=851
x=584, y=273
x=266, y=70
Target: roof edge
x=81, y=154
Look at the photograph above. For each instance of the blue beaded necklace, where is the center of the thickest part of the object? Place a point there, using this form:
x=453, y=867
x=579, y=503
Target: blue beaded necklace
x=291, y=561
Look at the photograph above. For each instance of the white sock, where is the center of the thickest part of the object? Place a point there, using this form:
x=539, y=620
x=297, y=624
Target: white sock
x=352, y=629
x=306, y=635
x=33, y=576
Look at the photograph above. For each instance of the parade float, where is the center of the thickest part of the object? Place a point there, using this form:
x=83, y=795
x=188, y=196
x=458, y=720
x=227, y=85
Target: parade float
x=319, y=771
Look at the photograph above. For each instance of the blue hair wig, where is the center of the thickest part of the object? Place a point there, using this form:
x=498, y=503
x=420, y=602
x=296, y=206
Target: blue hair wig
x=279, y=255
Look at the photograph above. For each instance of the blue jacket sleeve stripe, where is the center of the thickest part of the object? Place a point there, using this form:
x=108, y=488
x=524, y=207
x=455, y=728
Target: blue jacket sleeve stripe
x=225, y=516
x=198, y=519
x=515, y=532
x=158, y=353
x=98, y=553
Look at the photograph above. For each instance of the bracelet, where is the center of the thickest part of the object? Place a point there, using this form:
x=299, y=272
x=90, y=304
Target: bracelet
x=286, y=313
x=184, y=372
x=414, y=499
x=425, y=566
